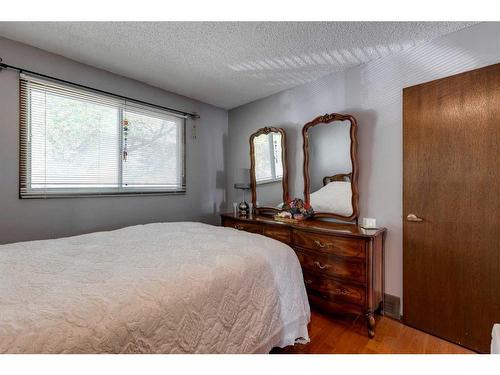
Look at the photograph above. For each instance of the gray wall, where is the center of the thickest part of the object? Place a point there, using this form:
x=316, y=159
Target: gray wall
x=372, y=93
x=39, y=219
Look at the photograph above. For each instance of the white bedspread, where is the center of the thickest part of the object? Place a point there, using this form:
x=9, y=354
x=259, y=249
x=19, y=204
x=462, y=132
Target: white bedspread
x=156, y=288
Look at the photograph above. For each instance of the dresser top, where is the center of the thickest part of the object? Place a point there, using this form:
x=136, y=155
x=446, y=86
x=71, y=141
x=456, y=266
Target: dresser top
x=349, y=230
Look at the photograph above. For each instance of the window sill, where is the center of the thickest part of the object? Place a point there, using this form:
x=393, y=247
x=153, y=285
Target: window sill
x=99, y=195
x=264, y=182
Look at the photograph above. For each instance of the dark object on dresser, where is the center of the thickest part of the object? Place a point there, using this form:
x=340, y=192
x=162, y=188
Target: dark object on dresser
x=342, y=263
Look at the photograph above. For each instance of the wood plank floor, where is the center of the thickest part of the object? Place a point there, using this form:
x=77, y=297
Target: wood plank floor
x=347, y=335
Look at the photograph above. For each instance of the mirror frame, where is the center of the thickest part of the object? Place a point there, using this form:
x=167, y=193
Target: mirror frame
x=325, y=120
x=253, y=181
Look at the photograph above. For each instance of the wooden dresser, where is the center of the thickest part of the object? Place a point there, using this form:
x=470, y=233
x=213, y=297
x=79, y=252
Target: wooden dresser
x=342, y=263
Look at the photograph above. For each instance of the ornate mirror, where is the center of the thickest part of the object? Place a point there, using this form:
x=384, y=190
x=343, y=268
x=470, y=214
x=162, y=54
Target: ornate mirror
x=330, y=166
x=268, y=169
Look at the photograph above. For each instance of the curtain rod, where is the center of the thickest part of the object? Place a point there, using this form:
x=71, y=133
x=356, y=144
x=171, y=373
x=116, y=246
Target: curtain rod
x=193, y=115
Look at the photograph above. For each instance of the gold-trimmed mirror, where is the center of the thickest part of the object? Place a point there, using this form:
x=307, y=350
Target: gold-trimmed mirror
x=331, y=167
x=268, y=169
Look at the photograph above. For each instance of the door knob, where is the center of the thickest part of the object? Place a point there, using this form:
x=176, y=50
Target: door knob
x=413, y=217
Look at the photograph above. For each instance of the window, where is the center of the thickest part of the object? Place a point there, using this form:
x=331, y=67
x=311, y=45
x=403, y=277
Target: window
x=269, y=166
x=77, y=142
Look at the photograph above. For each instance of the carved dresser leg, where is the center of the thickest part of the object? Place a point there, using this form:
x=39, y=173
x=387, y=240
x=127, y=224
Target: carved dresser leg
x=370, y=323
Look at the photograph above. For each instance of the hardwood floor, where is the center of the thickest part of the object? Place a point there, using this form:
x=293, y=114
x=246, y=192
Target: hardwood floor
x=347, y=335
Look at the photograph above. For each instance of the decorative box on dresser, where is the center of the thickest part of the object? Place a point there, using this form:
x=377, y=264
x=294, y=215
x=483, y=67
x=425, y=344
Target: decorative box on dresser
x=342, y=263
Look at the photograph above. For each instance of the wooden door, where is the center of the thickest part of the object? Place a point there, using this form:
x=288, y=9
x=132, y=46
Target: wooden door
x=451, y=180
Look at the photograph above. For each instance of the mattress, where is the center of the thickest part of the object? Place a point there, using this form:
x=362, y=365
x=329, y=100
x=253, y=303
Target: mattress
x=155, y=288
x=495, y=339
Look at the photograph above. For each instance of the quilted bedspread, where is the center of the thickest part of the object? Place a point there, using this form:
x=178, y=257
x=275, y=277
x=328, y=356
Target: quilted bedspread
x=155, y=288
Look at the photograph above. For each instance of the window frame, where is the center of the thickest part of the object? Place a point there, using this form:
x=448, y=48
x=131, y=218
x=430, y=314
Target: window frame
x=25, y=154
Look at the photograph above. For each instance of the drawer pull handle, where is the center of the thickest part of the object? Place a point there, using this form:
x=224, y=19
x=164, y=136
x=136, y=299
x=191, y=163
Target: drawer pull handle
x=342, y=291
x=320, y=266
x=239, y=227
x=319, y=243
x=308, y=282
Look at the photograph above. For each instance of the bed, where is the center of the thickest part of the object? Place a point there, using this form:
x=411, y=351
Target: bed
x=155, y=288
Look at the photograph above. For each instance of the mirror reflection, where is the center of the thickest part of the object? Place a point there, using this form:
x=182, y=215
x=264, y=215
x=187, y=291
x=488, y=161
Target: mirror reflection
x=330, y=168
x=268, y=170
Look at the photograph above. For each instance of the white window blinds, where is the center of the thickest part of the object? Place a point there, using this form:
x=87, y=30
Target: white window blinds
x=78, y=142
x=268, y=158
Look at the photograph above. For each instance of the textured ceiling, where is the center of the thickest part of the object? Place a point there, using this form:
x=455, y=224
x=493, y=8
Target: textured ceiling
x=226, y=64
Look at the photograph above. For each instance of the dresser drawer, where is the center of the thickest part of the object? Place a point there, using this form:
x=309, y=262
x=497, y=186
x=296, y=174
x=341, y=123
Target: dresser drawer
x=329, y=244
x=278, y=232
x=334, y=290
x=324, y=302
x=241, y=225
x=331, y=266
